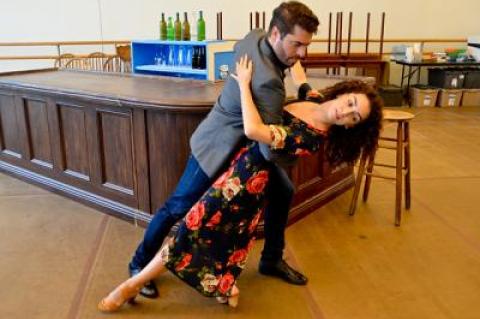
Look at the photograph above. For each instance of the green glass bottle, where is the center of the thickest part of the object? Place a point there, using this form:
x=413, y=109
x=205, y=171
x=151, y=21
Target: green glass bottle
x=201, y=27
x=185, y=28
x=163, y=28
x=170, y=31
x=178, y=28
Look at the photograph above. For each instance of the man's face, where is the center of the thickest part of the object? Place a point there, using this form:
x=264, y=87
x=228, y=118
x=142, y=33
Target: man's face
x=292, y=47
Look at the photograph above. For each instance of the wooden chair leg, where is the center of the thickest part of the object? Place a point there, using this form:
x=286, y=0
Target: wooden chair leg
x=399, y=177
x=358, y=183
x=407, y=165
x=368, y=178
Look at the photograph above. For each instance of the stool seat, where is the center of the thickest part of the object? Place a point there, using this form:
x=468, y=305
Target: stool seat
x=391, y=115
x=402, y=164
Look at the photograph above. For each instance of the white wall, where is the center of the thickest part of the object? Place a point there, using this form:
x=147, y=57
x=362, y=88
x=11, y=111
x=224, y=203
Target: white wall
x=33, y=20
x=65, y=20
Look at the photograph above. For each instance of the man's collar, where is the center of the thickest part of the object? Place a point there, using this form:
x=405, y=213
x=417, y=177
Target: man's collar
x=268, y=50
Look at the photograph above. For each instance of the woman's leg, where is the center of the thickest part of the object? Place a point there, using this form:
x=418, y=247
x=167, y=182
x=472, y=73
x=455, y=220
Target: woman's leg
x=152, y=270
x=193, y=183
x=127, y=290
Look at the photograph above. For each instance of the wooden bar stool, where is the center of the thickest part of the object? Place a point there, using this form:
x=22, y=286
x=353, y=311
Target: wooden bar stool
x=402, y=165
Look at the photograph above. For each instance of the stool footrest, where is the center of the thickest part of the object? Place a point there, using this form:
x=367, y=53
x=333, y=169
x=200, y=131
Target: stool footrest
x=390, y=147
x=379, y=175
x=387, y=165
x=387, y=147
x=387, y=139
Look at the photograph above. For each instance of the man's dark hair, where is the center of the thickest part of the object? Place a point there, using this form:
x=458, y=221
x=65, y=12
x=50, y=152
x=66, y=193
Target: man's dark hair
x=291, y=13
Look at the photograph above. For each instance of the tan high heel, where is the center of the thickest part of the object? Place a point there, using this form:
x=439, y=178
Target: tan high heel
x=127, y=294
x=232, y=301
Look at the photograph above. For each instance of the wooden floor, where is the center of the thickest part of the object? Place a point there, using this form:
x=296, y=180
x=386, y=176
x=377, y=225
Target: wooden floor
x=58, y=257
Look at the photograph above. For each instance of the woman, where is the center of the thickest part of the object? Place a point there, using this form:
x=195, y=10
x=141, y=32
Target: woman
x=209, y=249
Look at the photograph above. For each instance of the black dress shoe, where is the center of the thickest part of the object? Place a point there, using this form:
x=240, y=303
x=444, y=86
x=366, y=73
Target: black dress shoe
x=150, y=289
x=282, y=270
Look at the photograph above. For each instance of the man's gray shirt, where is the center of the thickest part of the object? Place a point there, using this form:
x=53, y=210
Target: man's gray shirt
x=221, y=132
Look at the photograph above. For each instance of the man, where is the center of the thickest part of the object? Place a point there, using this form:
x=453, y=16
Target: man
x=217, y=137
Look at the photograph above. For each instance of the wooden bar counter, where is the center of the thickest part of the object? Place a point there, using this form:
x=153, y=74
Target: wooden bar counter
x=120, y=142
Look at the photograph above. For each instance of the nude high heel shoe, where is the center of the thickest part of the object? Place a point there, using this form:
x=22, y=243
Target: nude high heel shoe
x=122, y=294
x=232, y=301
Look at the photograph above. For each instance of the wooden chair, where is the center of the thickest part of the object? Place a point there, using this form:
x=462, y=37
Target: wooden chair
x=337, y=58
x=116, y=64
x=402, y=163
x=96, y=60
x=63, y=59
x=77, y=64
x=124, y=52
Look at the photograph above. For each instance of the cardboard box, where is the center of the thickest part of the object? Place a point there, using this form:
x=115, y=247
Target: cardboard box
x=449, y=97
x=423, y=96
x=471, y=97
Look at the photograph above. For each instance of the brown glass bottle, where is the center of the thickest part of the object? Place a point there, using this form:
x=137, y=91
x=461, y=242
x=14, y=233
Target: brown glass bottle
x=163, y=28
x=185, y=28
x=177, y=28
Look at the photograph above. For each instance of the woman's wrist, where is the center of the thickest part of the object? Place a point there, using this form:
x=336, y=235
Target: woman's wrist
x=244, y=85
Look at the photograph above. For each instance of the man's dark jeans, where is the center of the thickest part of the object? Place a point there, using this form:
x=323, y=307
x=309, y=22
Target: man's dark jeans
x=279, y=197
x=192, y=185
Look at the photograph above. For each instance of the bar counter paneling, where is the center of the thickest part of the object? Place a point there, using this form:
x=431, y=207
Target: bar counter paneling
x=120, y=142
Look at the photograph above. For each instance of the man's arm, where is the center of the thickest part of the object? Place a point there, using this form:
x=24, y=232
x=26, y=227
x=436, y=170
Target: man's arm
x=270, y=100
x=254, y=127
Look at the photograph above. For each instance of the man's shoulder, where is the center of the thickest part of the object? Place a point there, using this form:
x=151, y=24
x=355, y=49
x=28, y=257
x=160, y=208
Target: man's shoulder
x=255, y=35
x=250, y=44
x=254, y=45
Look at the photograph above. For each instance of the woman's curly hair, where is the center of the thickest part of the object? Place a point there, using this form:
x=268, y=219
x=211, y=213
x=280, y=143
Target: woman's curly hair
x=346, y=144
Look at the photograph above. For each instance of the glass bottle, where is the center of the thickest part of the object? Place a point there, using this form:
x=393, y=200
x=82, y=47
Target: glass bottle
x=185, y=28
x=163, y=28
x=202, y=59
x=201, y=27
x=178, y=28
x=195, y=58
x=188, y=56
x=171, y=55
x=170, y=31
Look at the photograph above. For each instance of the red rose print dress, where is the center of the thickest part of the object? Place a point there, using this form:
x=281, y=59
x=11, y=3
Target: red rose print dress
x=210, y=247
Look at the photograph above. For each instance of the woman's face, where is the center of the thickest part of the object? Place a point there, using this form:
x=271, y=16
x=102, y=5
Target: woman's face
x=349, y=109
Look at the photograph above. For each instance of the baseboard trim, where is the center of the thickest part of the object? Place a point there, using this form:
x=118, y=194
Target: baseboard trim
x=109, y=206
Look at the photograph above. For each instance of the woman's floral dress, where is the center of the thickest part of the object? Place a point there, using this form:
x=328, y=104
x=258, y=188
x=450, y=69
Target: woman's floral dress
x=210, y=247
